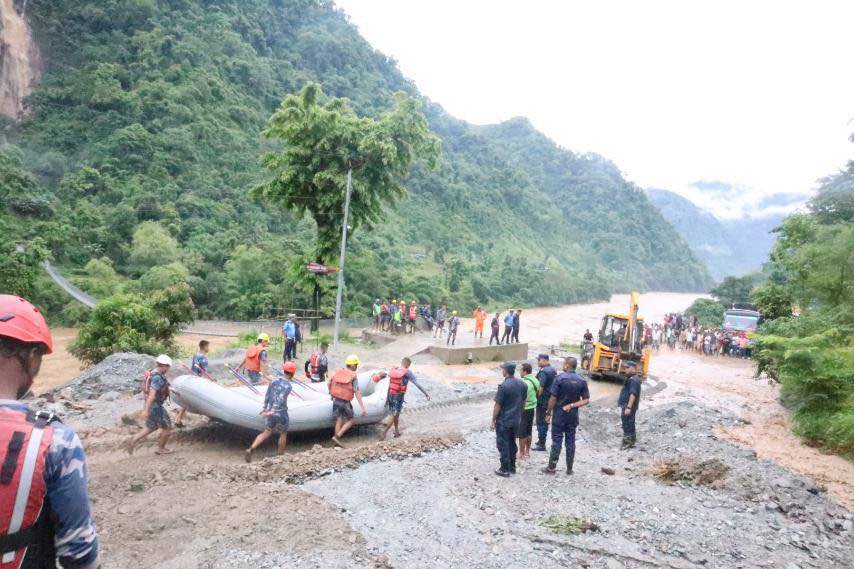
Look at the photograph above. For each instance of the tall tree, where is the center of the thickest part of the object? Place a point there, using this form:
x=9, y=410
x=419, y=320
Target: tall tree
x=321, y=139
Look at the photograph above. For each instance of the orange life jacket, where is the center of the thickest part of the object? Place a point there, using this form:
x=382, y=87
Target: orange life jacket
x=313, y=364
x=341, y=384
x=25, y=528
x=413, y=312
x=253, y=358
x=395, y=383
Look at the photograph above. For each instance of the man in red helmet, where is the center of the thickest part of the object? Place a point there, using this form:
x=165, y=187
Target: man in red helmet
x=45, y=511
x=275, y=410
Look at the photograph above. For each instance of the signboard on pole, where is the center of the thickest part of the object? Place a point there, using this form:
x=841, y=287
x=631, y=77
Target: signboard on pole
x=319, y=269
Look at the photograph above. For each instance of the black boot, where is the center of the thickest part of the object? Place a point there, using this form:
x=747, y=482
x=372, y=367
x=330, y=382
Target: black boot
x=541, y=447
x=569, y=461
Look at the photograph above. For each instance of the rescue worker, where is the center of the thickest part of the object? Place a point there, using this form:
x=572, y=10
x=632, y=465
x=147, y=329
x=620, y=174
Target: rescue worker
x=44, y=466
x=479, y=319
x=289, y=335
x=453, y=325
x=619, y=337
x=506, y=414
x=628, y=402
x=545, y=376
x=376, y=312
x=508, y=327
x=275, y=411
x=441, y=316
x=155, y=413
x=317, y=364
x=343, y=386
x=526, y=426
x=413, y=316
x=397, y=320
x=399, y=379
x=385, y=317
x=569, y=392
x=588, y=337
x=496, y=327
x=255, y=359
x=515, y=332
x=199, y=367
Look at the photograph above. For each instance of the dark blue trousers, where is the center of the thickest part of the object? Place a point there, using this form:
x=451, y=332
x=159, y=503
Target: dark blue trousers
x=505, y=440
x=542, y=426
x=563, y=432
x=628, y=423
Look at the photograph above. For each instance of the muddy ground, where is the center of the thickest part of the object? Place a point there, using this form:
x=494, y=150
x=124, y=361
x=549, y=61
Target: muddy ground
x=717, y=480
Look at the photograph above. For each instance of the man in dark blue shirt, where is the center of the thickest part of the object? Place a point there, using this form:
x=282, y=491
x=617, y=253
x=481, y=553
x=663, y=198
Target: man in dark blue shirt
x=568, y=392
x=545, y=376
x=509, y=403
x=628, y=402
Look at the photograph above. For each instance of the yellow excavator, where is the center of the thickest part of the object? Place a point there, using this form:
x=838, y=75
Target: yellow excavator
x=620, y=340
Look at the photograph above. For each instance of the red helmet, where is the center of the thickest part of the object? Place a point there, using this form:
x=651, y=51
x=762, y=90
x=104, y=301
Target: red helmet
x=289, y=367
x=22, y=321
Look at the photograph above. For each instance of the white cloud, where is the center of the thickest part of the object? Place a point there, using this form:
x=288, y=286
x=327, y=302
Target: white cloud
x=758, y=94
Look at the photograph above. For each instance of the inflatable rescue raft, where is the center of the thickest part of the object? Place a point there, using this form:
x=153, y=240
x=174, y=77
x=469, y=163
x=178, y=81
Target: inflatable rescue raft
x=309, y=405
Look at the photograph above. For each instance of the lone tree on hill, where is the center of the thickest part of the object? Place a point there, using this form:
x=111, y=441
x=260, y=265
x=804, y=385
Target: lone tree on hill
x=322, y=139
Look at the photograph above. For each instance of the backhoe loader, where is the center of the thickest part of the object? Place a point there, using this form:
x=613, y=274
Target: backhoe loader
x=620, y=340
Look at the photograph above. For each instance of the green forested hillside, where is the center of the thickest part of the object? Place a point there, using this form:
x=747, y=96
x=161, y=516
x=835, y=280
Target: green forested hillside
x=143, y=140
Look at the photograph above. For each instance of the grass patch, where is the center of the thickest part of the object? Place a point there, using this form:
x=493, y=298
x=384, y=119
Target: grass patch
x=567, y=525
x=689, y=471
x=576, y=348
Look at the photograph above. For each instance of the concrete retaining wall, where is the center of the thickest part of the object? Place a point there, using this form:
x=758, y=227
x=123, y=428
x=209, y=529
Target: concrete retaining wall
x=457, y=356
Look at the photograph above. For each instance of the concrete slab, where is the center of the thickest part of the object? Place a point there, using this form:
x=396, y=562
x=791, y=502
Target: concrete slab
x=468, y=354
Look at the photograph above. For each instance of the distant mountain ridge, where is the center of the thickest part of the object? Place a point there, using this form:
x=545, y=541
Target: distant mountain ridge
x=726, y=246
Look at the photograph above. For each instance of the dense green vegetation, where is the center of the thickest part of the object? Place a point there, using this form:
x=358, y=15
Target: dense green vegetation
x=708, y=312
x=144, y=141
x=812, y=355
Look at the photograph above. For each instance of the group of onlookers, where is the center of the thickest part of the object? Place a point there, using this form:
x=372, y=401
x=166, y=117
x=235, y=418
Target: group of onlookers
x=684, y=333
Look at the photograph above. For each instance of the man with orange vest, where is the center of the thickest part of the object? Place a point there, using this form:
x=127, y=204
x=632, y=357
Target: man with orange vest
x=399, y=379
x=317, y=364
x=343, y=386
x=45, y=511
x=479, y=319
x=256, y=357
x=413, y=316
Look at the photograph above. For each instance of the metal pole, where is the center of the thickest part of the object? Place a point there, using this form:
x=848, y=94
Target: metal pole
x=340, y=294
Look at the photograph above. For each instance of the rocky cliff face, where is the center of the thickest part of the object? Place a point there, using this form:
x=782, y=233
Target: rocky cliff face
x=19, y=59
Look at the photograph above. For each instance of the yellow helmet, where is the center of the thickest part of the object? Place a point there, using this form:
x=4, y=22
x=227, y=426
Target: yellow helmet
x=394, y=301
x=263, y=337
x=352, y=360
x=454, y=313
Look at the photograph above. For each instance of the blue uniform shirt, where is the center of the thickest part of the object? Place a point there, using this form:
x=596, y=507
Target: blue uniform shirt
x=289, y=330
x=546, y=377
x=631, y=386
x=156, y=383
x=511, y=397
x=200, y=364
x=66, y=479
x=568, y=387
x=276, y=399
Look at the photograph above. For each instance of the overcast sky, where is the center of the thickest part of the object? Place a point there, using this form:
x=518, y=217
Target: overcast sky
x=752, y=93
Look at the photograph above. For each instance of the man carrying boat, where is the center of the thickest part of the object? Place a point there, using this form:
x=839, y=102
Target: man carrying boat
x=343, y=386
x=399, y=379
x=275, y=411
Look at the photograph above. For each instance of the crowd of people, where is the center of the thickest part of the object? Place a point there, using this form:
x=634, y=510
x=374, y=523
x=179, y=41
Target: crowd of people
x=684, y=333
x=396, y=317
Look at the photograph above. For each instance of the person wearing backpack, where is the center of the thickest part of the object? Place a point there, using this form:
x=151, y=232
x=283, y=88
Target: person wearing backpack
x=199, y=367
x=343, y=386
x=156, y=392
x=256, y=358
x=317, y=365
x=399, y=379
x=275, y=411
x=526, y=425
x=45, y=510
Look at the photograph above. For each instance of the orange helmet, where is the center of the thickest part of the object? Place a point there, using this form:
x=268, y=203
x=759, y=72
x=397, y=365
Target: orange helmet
x=22, y=321
x=289, y=367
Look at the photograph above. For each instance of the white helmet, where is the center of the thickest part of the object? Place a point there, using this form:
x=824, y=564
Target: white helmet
x=163, y=359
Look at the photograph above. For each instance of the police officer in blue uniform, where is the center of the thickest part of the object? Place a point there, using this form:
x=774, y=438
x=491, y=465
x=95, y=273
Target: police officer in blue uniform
x=568, y=392
x=506, y=415
x=545, y=376
x=628, y=402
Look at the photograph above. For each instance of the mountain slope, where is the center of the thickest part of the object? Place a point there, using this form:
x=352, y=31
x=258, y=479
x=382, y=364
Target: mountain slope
x=151, y=113
x=728, y=247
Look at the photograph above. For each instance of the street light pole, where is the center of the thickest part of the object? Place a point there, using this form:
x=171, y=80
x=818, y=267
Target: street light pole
x=340, y=295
